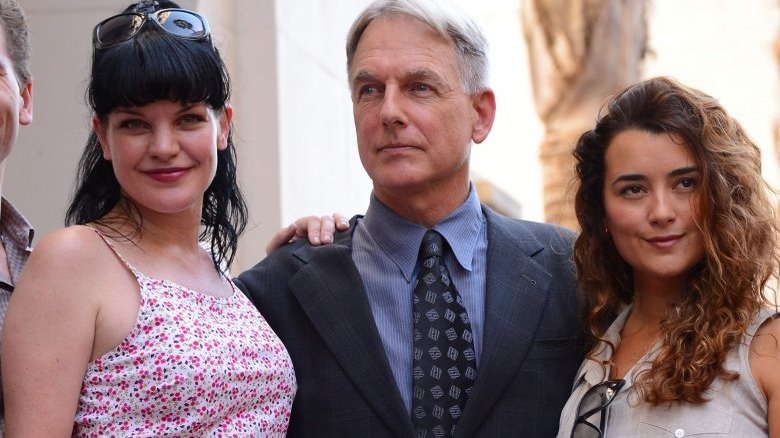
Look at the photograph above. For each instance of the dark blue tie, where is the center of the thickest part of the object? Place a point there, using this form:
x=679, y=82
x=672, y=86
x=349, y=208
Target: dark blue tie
x=444, y=360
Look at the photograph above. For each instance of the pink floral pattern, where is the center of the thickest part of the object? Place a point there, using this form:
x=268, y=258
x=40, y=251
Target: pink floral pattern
x=193, y=365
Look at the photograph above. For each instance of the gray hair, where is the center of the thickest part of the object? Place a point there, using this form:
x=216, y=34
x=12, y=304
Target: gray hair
x=17, y=38
x=449, y=22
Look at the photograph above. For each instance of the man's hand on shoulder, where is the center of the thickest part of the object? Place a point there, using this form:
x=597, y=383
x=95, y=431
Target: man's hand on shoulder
x=318, y=229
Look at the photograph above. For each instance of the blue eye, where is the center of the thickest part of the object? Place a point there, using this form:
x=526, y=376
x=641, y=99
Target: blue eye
x=368, y=89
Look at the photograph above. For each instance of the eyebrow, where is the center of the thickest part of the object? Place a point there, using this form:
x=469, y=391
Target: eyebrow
x=418, y=73
x=138, y=112
x=422, y=73
x=640, y=177
x=363, y=76
x=684, y=170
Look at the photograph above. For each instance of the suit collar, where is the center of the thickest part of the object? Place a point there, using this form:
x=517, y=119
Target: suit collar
x=516, y=294
x=331, y=292
x=400, y=238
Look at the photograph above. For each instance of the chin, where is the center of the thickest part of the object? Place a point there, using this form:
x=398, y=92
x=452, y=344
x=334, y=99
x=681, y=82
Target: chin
x=397, y=180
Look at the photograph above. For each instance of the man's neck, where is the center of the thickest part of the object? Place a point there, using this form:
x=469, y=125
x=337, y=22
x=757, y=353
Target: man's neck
x=425, y=209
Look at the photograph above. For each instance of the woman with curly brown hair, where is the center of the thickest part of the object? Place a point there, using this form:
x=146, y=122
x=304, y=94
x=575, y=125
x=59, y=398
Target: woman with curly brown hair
x=677, y=250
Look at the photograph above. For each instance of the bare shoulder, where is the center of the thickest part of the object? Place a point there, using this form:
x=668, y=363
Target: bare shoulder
x=52, y=324
x=767, y=339
x=75, y=238
x=765, y=357
x=63, y=257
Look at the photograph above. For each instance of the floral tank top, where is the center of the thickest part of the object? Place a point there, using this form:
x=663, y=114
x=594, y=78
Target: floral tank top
x=193, y=365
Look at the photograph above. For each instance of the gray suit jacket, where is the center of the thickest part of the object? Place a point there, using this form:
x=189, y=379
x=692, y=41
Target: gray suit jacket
x=314, y=299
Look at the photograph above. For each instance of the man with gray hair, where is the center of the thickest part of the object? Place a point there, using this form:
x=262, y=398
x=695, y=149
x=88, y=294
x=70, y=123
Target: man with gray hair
x=433, y=316
x=15, y=110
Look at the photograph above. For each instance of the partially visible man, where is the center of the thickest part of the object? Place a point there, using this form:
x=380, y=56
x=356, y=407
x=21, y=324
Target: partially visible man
x=499, y=358
x=15, y=110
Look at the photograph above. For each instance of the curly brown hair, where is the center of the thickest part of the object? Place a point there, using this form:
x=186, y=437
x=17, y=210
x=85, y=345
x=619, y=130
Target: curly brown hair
x=726, y=289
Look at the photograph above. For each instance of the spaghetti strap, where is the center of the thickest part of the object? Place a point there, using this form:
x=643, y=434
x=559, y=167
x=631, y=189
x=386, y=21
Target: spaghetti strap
x=217, y=362
x=138, y=274
x=143, y=279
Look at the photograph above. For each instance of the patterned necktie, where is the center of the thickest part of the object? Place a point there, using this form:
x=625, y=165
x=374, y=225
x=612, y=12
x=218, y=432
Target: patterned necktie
x=444, y=361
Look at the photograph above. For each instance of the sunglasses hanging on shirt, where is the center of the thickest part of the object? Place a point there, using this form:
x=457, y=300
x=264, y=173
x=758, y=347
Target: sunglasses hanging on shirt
x=596, y=400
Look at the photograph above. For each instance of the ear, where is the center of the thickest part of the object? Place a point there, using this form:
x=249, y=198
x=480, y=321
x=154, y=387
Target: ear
x=26, y=109
x=225, y=117
x=100, y=132
x=484, y=104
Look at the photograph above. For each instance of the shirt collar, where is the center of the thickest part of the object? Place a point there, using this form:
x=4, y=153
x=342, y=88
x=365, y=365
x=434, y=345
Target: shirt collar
x=15, y=226
x=593, y=372
x=400, y=239
x=17, y=235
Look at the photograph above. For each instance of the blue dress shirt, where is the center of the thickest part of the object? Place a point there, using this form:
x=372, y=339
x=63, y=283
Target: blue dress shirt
x=385, y=250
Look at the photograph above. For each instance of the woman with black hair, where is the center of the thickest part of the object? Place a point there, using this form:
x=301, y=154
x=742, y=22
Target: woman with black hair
x=125, y=320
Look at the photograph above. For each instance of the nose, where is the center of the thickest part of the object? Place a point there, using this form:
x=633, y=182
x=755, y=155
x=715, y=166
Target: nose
x=662, y=209
x=392, y=110
x=163, y=144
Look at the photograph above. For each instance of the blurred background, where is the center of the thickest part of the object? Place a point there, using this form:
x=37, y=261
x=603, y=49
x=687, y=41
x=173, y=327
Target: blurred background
x=553, y=63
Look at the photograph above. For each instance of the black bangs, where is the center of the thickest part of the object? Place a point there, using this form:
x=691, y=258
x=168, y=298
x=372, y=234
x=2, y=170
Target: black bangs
x=155, y=66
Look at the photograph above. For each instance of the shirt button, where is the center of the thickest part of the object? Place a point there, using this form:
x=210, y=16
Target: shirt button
x=679, y=433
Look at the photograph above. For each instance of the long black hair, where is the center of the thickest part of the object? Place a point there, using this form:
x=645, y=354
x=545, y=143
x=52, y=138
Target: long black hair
x=149, y=67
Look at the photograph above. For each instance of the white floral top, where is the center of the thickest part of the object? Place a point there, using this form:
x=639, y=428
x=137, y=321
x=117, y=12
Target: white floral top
x=193, y=365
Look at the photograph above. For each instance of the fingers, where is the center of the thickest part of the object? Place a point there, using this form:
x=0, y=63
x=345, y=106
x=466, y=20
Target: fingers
x=328, y=225
x=342, y=222
x=281, y=237
x=318, y=229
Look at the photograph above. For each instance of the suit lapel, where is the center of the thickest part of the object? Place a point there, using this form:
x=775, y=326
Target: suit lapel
x=331, y=292
x=514, y=300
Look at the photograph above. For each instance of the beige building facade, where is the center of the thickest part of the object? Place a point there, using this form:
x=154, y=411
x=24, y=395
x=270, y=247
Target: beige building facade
x=293, y=116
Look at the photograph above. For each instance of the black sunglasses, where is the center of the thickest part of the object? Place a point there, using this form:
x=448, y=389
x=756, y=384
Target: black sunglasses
x=596, y=399
x=178, y=22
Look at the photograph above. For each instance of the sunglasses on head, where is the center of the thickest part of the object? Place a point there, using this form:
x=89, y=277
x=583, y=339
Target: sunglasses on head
x=180, y=23
x=595, y=400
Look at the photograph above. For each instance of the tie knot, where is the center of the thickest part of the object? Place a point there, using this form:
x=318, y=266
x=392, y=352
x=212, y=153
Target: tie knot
x=432, y=244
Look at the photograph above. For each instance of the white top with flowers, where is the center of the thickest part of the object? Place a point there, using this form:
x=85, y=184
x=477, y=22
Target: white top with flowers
x=193, y=365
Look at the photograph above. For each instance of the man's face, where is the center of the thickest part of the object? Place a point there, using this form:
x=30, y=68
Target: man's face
x=413, y=120
x=15, y=101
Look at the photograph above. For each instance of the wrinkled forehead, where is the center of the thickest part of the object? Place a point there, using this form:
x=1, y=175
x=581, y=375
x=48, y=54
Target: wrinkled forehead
x=400, y=39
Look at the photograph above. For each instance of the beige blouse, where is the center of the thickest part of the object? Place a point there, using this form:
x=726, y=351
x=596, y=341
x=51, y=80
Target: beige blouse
x=735, y=409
